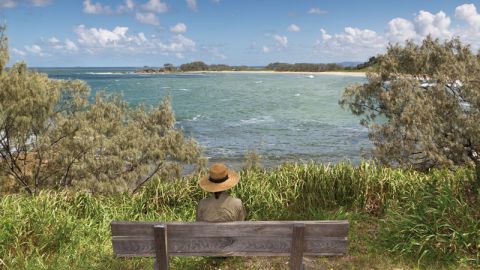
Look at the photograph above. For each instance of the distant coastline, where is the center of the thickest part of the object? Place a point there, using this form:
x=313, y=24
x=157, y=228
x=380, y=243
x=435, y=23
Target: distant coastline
x=273, y=68
x=307, y=73
x=337, y=73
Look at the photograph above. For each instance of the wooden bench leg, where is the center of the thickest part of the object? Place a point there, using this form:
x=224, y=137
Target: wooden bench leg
x=296, y=253
x=161, y=261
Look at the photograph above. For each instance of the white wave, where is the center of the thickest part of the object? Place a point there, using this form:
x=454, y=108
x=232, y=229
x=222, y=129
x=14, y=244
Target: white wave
x=310, y=76
x=104, y=73
x=259, y=82
x=183, y=89
x=297, y=95
x=254, y=120
x=166, y=87
x=195, y=118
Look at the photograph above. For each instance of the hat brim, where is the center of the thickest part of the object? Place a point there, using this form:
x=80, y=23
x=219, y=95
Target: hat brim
x=209, y=186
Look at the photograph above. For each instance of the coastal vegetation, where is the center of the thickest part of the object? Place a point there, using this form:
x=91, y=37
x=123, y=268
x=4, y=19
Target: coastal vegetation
x=398, y=218
x=279, y=67
x=421, y=104
x=51, y=136
x=70, y=166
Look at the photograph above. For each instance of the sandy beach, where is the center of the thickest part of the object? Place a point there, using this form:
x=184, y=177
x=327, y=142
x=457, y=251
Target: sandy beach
x=337, y=73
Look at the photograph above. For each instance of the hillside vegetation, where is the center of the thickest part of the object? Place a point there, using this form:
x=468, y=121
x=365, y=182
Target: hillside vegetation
x=399, y=218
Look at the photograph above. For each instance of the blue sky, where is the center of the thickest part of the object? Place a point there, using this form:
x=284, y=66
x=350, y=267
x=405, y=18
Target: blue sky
x=235, y=32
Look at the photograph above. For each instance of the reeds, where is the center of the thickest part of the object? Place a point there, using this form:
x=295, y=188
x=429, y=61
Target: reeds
x=427, y=218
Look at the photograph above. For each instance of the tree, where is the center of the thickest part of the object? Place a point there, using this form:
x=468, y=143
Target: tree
x=421, y=103
x=194, y=66
x=51, y=136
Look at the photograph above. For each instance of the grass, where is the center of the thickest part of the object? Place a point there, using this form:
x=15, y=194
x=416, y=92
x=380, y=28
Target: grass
x=399, y=218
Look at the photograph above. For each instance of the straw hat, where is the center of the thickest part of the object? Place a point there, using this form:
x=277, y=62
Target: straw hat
x=219, y=178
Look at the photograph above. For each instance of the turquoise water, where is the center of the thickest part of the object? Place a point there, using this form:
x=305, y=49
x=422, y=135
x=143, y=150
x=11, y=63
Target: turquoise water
x=284, y=117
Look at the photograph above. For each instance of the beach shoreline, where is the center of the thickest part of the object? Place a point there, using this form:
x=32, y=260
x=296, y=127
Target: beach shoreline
x=335, y=73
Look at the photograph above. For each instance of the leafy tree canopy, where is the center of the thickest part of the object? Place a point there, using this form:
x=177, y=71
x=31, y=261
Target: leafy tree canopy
x=51, y=136
x=421, y=103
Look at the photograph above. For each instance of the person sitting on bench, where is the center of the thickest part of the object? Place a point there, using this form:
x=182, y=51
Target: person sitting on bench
x=220, y=207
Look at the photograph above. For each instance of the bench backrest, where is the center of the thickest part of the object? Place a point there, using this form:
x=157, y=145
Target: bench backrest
x=245, y=238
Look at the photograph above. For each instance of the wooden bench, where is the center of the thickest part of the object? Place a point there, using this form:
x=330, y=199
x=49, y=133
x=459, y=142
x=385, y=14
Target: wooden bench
x=244, y=238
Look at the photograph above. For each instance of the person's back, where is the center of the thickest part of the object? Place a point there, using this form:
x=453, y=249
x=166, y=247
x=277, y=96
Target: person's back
x=225, y=208
x=220, y=207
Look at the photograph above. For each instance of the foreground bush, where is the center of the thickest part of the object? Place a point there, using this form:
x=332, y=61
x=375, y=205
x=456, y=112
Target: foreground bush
x=427, y=215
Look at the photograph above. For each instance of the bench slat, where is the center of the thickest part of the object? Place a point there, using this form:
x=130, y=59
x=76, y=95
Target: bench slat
x=233, y=229
x=229, y=246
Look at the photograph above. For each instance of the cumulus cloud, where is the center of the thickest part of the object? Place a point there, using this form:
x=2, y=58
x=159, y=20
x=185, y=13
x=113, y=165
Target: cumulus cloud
x=215, y=53
x=7, y=3
x=353, y=43
x=192, y=4
x=53, y=40
x=35, y=50
x=96, y=40
x=18, y=52
x=95, y=8
x=156, y=6
x=282, y=41
x=316, y=10
x=179, y=28
x=400, y=30
x=178, y=44
x=436, y=25
x=469, y=14
x=325, y=35
x=293, y=28
x=14, y=3
x=70, y=45
x=128, y=5
x=147, y=18
x=100, y=37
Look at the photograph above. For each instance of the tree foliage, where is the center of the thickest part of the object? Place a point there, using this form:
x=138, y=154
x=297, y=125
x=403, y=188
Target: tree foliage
x=303, y=67
x=51, y=136
x=421, y=103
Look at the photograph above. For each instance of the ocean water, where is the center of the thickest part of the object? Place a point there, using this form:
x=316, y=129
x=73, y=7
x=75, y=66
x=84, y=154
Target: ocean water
x=284, y=117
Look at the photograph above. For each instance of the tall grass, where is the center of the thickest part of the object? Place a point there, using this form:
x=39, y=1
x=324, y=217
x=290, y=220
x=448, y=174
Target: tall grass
x=67, y=230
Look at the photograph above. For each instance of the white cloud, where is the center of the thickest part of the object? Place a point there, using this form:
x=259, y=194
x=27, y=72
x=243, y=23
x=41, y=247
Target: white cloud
x=468, y=13
x=97, y=40
x=156, y=6
x=282, y=41
x=353, y=43
x=147, y=18
x=400, y=30
x=469, y=33
x=70, y=45
x=14, y=3
x=41, y=3
x=325, y=35
x=316, y=10
x=35, y=50
x=95, y=8
x=178, y=44
x=192, y=4
x=128, y=5
x=216, y=1
x=18, y=52
x=101, y=38
x=436, y=25
x=53, y=40
x=179, y=28
x=265, y=49
x=215, y=53
x=7, y=3
x=293, y=28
